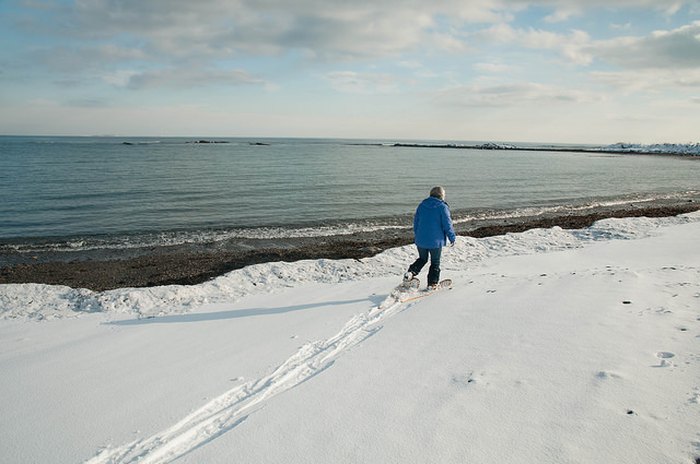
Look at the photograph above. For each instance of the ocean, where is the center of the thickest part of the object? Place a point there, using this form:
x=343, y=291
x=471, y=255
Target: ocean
x=71, y=194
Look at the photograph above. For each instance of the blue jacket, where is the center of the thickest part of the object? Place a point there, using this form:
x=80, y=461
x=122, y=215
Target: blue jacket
x=432, y=224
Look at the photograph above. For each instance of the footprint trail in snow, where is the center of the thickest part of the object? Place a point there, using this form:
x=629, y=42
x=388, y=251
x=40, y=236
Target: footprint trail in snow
x=233, y=407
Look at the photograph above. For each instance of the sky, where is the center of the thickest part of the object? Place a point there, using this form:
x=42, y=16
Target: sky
x=564, y=71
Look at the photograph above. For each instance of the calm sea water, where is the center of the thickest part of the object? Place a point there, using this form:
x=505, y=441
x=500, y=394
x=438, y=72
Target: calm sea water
x=83, y=192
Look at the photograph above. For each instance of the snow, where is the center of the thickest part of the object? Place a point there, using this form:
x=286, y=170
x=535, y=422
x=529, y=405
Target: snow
x=656, y=148
x=553, y=346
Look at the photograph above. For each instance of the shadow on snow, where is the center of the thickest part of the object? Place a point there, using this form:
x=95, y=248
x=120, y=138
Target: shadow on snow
x=232, y=314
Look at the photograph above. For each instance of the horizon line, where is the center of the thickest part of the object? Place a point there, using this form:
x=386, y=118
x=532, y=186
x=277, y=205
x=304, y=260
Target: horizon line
x=398, y=139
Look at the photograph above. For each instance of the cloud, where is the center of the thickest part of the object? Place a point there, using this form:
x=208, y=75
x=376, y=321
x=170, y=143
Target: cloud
x=217, y=28
x=331, y=29
x=662, y=62
x=511, y=94
x=189, y=78
x=621, y=27
x=562, y=14
x=362, y=83
x=86, y=103
x=649, y=80
x=323, y=29
x=119, y=78
x=662, y=49
x=572, y=46
x=570, y=7
x=677, y=48
x=496, y=68
x=77, y=58
x=449, y=42
x=180, y=43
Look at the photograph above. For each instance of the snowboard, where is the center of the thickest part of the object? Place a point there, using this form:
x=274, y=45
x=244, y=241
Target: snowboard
x=445, y=284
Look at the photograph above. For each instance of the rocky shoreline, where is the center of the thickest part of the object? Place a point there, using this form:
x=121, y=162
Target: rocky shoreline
x=189, y=266
x=684, y=151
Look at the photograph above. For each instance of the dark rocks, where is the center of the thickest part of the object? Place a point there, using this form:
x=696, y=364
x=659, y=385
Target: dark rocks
x=193, y=265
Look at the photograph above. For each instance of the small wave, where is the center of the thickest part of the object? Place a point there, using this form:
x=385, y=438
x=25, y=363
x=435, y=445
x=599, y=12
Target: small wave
x=592, y=205
x=368, y=226
x=166, y=239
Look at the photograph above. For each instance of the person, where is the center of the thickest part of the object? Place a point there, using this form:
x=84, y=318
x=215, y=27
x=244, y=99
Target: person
x=432, y=227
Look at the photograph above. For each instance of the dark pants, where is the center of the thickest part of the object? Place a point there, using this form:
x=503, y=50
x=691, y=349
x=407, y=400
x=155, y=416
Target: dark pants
x=434, y=272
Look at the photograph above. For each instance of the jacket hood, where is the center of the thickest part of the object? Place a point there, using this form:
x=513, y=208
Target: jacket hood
x=433, y=202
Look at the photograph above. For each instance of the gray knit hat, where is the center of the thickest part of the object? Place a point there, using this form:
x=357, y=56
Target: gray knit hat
x=438, y=192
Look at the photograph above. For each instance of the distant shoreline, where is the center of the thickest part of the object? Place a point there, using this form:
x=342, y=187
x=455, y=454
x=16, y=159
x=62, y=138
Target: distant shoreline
x=508, y=147
x=193, y=266
x=685, y=150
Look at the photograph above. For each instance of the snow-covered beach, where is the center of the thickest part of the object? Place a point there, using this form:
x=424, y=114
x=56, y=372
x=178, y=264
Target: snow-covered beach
x=553, y=346
x=212, y=214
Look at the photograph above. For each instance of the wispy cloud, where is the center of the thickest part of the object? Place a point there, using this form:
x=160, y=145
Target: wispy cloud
x=75, y=59
x=563, y=8
x=496, y=68
x=511, y=95
x=563, y=14
x=649, y=80
x=362, y=83
x=86, y=103
x=571, y=46
x=179, y=78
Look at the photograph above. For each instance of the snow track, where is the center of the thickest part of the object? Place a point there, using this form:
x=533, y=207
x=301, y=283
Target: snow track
x=232, y=408
x=235, y=406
